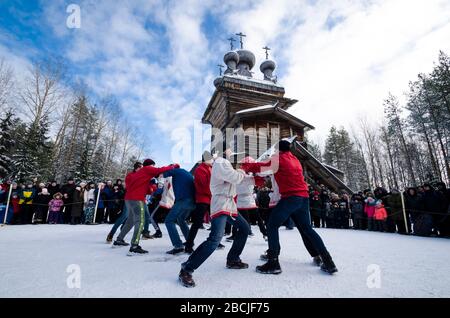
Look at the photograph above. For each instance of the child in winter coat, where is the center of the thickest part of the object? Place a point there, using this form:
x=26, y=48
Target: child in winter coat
x=55, y=211
x=89, y=212
x=380, y=216
x=369, y=210
x=16, y=208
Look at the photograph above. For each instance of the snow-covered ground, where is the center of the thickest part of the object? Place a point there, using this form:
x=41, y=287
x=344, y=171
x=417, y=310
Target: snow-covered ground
x=34, y=262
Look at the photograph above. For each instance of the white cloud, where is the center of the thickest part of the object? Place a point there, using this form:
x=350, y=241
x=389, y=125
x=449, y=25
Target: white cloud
x=338, y=58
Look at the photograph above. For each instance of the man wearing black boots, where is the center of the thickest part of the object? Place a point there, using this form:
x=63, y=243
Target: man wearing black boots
x=294, y=203
x=223, y=209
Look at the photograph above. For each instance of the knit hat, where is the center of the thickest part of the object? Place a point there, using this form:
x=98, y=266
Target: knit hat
x=148, y=162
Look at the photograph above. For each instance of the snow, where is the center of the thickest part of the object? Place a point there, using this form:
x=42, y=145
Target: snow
x=253, y=79
x=254, y=109
x=34, y=260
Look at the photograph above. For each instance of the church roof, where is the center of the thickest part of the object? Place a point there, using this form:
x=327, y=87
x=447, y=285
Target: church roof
x=269, y=110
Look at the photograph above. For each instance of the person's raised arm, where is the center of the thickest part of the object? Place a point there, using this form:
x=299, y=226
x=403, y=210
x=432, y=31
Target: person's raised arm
x=230, y=175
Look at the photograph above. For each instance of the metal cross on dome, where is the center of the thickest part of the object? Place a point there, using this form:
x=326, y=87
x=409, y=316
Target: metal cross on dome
x=220, y=69
x=231, y=39
x=241, y=35
x=267, y=49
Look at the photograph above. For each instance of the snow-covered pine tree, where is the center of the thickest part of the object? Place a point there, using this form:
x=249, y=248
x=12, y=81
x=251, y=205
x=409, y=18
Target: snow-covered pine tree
x=32, y=156
x=6, y=144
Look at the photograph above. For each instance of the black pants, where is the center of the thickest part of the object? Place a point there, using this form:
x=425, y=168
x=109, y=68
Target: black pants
x=401, y=229
x=26, y=213
x=390, y=225
x=68, y=213
x=16, y=218
x=316, y=221
x=228, y=229
x=323, y=221
x=358, y=223
x=255, y=217
x=76, y=220
x=100, y=215
x=380, y=225
x=197, y=222
x=289, y=223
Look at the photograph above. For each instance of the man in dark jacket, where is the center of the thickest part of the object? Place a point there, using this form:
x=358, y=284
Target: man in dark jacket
x=315, y=207
x=53, y=188
x=430, y=207
x=357, y=208
x=413, y=203
x=184, y=190
x=443, y=221
x=108, y=202
x=394, y=208
x=68, y=191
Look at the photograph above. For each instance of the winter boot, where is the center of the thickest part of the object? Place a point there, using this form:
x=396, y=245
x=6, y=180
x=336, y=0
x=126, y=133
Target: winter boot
x=236, y=265
x=264, y=257
x=188, y=249
x=118, y=242
x=230, y=238
x=271, y=267
x=158, y=234
x=317, y=260
x=327, y=263
x=146, y=235
x=175, y=251
x=136, y=250
x=186, y=279
x=109, y=238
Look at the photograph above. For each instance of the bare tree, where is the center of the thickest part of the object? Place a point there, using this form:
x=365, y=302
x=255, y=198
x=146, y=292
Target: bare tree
x=42, y=91
x=6, y=83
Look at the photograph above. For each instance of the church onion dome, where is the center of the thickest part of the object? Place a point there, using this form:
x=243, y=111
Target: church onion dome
x=246, y=57
x=231, y=56
x=267, y=65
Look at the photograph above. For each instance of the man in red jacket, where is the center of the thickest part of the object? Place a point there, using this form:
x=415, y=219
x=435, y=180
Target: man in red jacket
x=202, y=178
x=137, y=183
x=294, y=203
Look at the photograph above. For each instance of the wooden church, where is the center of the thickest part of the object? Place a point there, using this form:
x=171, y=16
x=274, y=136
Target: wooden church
x=255, y=111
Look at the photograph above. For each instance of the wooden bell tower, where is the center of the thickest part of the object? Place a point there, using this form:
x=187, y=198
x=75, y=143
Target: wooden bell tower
x=255, y=110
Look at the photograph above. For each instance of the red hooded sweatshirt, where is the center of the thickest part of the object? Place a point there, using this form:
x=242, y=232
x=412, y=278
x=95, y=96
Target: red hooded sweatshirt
x=202, y=178
x=288, y=174
x=137, y=183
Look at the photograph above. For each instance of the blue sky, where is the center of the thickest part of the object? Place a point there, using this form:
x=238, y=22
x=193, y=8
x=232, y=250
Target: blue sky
x=340, y=59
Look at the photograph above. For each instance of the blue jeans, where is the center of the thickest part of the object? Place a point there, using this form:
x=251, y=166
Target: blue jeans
x=178, y=214
x=218, y=223
x=146, y=219
x=120, y=220
x=298, y=209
